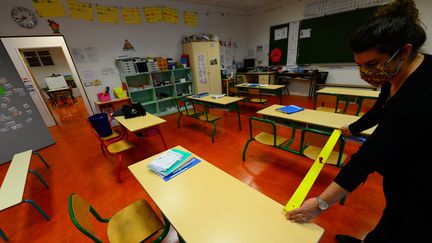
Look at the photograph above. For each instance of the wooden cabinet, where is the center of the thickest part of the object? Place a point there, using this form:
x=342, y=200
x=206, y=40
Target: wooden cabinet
x=157, y=91
x=204, y=58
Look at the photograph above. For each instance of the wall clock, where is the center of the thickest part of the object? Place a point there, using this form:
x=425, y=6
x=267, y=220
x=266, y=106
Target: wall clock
x=23, y=17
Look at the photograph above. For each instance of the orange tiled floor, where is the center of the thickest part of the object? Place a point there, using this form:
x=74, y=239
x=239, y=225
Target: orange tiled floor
x=78, y=165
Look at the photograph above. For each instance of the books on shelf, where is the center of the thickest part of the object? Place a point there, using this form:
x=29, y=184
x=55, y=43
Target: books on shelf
x=172, y=162
x=290, y=109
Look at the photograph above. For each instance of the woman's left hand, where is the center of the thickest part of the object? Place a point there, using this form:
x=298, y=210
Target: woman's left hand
x=304, y=214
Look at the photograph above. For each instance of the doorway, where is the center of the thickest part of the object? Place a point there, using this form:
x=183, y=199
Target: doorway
x=17, y=45
x=49, y=69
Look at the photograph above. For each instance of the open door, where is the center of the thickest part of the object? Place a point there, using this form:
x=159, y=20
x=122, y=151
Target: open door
x=13, y=46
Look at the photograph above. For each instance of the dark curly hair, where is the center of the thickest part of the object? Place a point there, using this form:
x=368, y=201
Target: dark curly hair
x=391, y=27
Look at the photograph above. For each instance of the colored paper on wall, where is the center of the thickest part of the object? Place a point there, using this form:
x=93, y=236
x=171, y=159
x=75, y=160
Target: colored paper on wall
x=49, y=8
x=170, y=15
x=153, y=14
x=190, y=18
x=80, y=10
x=131, y=15
x=107, y=14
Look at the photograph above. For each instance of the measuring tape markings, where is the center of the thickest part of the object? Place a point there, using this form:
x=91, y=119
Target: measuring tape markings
x=303, y=189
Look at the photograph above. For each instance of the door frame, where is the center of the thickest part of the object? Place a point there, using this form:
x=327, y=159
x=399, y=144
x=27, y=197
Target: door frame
x=13, y=46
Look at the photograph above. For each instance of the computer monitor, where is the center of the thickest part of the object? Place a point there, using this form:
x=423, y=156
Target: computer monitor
x=249, y=63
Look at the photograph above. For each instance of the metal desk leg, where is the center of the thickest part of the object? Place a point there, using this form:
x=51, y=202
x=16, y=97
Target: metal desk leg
x=238, y=114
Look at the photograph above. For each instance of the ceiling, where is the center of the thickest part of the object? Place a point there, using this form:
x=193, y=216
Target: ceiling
x=243, y=5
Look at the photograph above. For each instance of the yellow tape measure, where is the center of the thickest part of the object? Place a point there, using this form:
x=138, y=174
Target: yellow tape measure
x=307, y=182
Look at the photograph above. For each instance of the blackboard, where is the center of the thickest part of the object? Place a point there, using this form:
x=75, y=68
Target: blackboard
x=278, y=47
x=326, y=39
x=21, y=126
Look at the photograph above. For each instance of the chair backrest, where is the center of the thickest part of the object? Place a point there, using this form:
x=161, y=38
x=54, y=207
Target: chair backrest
x=182, y=105
x=200, y=108
x=322, y=77
x=254, y=91
x=80, y=213
x=258, y=126
x=327, y=102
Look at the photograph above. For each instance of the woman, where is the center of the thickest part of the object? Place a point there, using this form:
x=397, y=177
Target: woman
x=387, y=51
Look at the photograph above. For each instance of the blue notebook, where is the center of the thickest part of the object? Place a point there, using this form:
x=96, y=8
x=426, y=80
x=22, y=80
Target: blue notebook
x=290, y=109
x=200, y=95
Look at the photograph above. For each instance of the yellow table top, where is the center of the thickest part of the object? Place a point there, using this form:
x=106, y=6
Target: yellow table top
x=314, y=117
x=111, y=101
x=350, y=92
x=225, y=100
x=140, y=122
x=266, y=86
x=205, y=204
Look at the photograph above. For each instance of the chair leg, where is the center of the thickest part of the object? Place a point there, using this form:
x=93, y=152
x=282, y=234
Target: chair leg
x=119, y=168
x=42, y=159
x=178, y=120
x=3, y=235
x=214, y=131
x=162, y=137
x=39, y=177
x=167, y=225
x=37, y=208
x=245, y=148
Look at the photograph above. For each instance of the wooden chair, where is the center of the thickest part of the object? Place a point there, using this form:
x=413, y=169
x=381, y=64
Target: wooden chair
x=257, y=94
x=265, y=132
x=134, y=223
x=327, y=102
x=312, y=142
x=115, y=145
x=183, y=109
x=201, y=112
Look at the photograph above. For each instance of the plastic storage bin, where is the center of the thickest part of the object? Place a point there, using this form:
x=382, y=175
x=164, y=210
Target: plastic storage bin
x=101, y=124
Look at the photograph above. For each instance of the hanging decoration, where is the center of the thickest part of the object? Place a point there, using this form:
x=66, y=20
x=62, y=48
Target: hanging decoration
x=153, y=14
x=131, y=15
x=170, y=15
x=190, y=18
x=80, y=10
x=54, y=26
x=107, y=14
x=49, y=8
x=127, y=46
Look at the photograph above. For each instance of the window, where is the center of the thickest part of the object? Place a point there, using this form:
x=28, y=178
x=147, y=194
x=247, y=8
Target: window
x=38, y=58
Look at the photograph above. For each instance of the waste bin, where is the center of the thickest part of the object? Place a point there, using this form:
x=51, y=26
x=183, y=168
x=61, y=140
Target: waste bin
x=101, y=124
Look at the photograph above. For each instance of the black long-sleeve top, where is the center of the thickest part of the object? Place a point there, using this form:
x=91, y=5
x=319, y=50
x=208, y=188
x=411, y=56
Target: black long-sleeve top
x=400, y=148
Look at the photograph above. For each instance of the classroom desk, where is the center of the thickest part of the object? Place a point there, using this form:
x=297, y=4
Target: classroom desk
x=258, y=77
x=225, y=102
x=142, y=123
x=314, y=117
x=112, y=104
x=346, y=93
x=307, y=117
x=310, y=76
x=275, y=89
x=60, y=93
x=205, y=204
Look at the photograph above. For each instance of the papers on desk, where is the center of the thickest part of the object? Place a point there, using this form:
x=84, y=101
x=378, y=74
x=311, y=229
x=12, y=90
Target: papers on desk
x=172, y=162
x=290, y=109
x=253, y=85
x=217, y=96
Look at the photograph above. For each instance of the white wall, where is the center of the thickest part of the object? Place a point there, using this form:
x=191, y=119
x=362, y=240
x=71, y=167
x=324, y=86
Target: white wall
x=158, y=39
x=260, y=24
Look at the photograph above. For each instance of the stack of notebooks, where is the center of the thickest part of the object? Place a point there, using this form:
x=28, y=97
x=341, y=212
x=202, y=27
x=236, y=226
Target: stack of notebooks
x=172, y=162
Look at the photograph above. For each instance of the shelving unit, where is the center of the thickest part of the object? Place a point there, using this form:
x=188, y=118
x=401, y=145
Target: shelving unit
x=156, y=91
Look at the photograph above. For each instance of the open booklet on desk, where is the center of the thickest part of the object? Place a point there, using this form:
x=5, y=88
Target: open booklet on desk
x=172, y=162
x=217, y=96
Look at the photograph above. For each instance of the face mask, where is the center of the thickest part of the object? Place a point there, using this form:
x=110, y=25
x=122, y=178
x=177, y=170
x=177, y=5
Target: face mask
x=379, y=74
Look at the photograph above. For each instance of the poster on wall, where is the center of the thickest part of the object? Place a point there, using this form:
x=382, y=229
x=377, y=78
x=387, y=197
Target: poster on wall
x=131, y=15
x=80, y=10
x=107, y=14
x=202, y=69
x=49, y=8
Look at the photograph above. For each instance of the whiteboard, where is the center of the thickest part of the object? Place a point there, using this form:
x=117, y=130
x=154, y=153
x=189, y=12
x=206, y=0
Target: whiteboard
x=56, y=82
